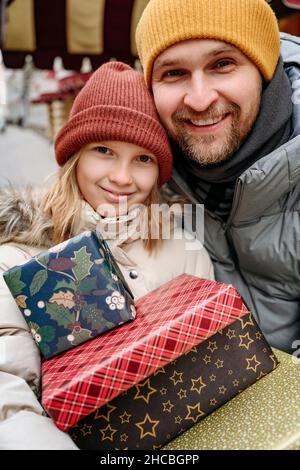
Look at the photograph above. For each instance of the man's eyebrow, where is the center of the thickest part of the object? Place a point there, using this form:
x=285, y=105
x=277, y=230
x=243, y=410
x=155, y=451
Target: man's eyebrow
x=159, y=63
x=165, y=63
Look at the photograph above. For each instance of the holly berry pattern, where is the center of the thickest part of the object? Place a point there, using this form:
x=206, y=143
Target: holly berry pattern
x=70, y=294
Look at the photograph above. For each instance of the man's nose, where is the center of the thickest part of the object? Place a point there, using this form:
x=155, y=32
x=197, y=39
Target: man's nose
x=200, y=93
x=120, y=174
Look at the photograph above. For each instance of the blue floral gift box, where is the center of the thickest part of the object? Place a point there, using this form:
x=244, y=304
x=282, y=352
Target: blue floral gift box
x=71, y=293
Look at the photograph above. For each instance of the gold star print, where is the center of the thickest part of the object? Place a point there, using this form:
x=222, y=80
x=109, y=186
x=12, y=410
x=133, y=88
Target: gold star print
x=194, y=416
x=212, y=346
x=147, y=421
x=230, y=333
x=230, y=372
x=178, y=419
x=194, y=349
x=194, y=359
x=163, y=391
x=108, y=433
x=125, y=417
x=226, y=347
x=246, y=321
x=245, y=341
x=260, y=375
x=197, y=385
x=177, y=377
x=181, y=394
x=236, y=383
x=160, y=371
x=123, y=437
x=252, y=363
x=258, y=335
x=144, y=391
x=212, y=378
x=86, y=430
x=207, y=359
x=219, y=363
x=273, y=358
x=222, y=390
x=168, y=406
x=213, y=402
x=107, y=416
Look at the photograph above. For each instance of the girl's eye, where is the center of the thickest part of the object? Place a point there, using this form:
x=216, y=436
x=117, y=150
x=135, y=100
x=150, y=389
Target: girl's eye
x=144, y=158
x=104, y=150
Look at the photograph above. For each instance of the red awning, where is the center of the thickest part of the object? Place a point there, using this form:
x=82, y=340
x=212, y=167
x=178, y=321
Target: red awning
x=71, y=29
x=74, y=29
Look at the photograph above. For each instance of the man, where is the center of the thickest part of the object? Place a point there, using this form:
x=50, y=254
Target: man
x=226, y=98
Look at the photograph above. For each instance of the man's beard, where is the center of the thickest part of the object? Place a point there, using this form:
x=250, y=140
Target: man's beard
x=199, y=148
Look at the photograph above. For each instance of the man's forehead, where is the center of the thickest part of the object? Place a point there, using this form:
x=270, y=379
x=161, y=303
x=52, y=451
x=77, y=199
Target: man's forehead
x=205, y=47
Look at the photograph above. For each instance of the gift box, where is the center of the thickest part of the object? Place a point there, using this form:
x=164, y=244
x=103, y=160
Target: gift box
x=71, y=293
x=170, y=321
x=266, y=416
x=175, y=397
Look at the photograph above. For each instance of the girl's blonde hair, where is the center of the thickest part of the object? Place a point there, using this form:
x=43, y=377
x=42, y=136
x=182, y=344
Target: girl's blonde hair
x=63, y=203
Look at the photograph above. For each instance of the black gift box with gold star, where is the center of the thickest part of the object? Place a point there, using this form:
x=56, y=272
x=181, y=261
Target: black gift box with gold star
x=180, y=394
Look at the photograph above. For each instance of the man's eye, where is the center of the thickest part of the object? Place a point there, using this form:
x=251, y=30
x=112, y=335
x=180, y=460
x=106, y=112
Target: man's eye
x=173, y=73
x=223, y=63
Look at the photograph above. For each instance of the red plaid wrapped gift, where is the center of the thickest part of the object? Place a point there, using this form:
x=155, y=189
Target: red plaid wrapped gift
x=170, y=321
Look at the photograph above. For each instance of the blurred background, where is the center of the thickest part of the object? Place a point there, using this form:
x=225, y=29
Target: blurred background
x=48, y=50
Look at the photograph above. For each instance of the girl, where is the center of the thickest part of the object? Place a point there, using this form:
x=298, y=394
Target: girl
x=114, y=155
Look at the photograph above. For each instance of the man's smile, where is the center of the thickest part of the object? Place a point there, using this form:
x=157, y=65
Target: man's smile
x=207, y=125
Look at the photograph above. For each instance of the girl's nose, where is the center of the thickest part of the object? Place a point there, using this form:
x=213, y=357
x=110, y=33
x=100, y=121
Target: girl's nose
x=120, y=174
x=201, y=93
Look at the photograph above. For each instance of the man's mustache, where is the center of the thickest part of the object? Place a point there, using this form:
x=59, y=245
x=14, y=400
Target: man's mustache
x=187, y=114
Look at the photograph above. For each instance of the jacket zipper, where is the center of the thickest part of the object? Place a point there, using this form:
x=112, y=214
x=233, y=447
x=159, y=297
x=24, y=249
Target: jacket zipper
x=235, y=203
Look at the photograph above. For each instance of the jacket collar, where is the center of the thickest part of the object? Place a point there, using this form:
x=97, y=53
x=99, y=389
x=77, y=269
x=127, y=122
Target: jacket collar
x=121, y=229
x=118, y=231
x=262, y=185
x=276, y=174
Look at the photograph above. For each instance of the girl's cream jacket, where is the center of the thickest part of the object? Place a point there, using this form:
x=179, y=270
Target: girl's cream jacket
x=23, y=425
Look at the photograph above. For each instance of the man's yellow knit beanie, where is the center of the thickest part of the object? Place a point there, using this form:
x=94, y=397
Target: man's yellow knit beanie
x=250, y=25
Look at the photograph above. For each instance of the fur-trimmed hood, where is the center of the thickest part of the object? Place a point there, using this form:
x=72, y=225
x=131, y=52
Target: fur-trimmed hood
x=20, y=218
x=22, y=222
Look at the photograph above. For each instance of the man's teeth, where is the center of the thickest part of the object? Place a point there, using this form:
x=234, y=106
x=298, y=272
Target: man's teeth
x=208, y=122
